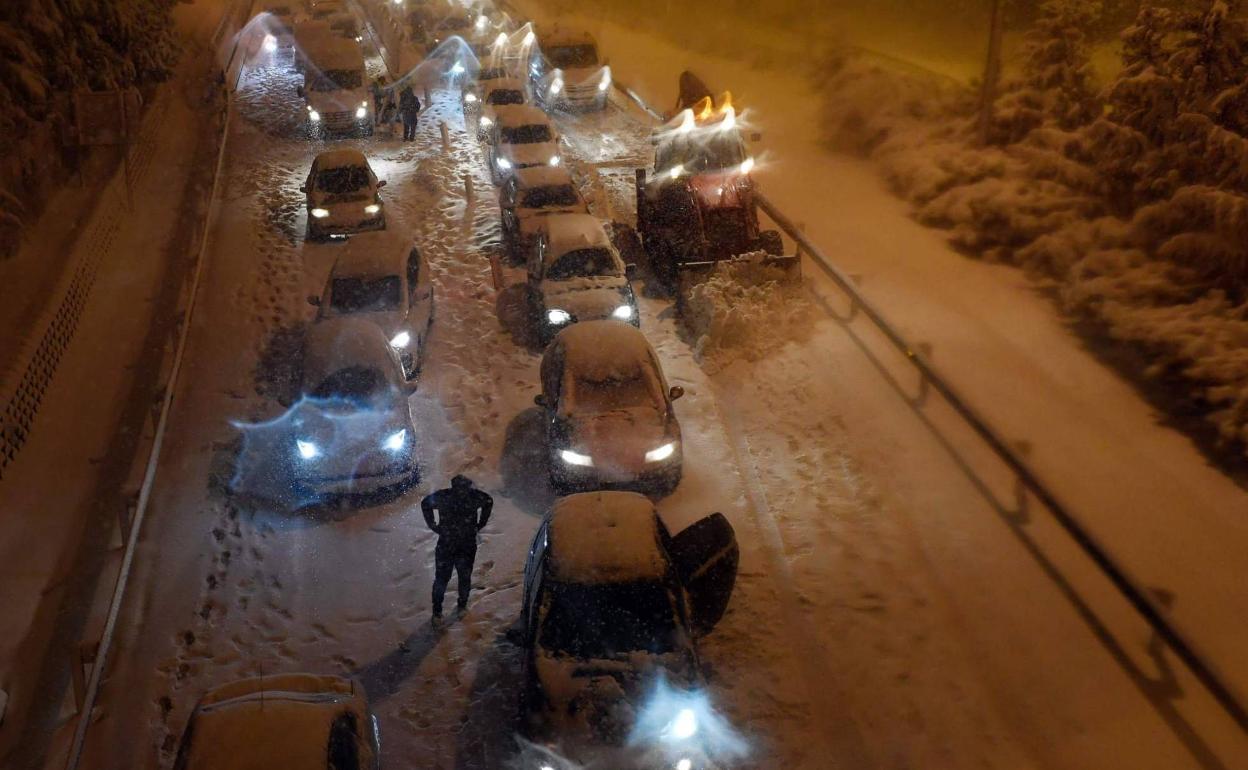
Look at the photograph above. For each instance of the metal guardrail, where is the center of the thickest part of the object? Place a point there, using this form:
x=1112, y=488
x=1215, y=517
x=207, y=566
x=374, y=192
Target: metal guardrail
x=1183, y=646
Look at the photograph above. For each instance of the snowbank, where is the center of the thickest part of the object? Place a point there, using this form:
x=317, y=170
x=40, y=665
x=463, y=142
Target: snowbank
x=744, y=310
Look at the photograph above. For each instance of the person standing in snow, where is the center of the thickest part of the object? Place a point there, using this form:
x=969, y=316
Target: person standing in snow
x=378, y=88
x=409, y=110
x=456, y=514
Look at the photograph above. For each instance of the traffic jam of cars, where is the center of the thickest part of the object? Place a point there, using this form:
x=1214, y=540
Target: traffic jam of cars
x=613, y=603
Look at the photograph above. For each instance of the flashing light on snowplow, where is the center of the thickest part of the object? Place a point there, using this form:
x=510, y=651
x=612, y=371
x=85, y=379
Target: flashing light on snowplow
x=675, y=171
x=687, y=121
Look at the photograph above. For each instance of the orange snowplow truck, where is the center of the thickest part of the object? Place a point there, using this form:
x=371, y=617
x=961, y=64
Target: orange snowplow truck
x=697, y=207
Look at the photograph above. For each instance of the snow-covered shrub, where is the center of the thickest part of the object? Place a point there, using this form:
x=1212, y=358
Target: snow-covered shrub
x=744, y=309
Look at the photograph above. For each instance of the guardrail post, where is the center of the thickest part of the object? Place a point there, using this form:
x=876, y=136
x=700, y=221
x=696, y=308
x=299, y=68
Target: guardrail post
x=446, y=137
x=468, y=191
x=428, y=97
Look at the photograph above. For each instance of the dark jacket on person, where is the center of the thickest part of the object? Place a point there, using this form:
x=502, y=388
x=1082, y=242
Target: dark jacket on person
x=462, y=510
x=409, y=105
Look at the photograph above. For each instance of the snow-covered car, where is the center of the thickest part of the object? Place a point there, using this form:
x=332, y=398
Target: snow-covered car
x=531, y=195
x=501, y=92
x=382, y=277
x=352, y=430
x=291, y=721
x=474, y=89
x=613, y=605
x=608, y=411
x=310, y=37
x=335, y=86
x=567, y=73
x=521, y=136
x=576, y=274
x=343, y=195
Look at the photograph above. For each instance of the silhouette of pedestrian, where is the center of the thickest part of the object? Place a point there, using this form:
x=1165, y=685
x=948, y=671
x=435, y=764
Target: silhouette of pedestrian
x=461, y=511
x=409, y=110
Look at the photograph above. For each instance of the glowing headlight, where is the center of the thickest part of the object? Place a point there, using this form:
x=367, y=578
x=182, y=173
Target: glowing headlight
x=605, y=84
x=313, y=115
x=400, y=340
x=747, y=166
x=501, y=39
x=320, y=213
x=676, y=170
x=557, y=316
x=685, y=725
x=684, y=764
x=486, y=122
x=470, y=98
x=372, y=208
x=657, y=455
x=556, y=86
x=503, y=163
x=623, y=312
x=576, y=458
x=307, y=449
x=481, y=22
x=457, y=68
x=555, y=160
x=359, y=38
x=361, y=112
x=270, y=43
x=395, y=441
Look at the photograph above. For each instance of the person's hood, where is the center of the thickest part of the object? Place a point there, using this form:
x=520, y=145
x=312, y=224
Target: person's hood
x=587, y=299
x=619, y=440
x=344, y=100
x=534, y=154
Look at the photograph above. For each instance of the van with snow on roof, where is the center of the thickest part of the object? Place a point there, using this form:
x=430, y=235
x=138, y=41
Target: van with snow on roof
x=567, y=72
x=291, y=721
x=335, y=86
x=608, y=411
x=382, y=278
x=521, y=136
x=576, y=274
x=613, y=607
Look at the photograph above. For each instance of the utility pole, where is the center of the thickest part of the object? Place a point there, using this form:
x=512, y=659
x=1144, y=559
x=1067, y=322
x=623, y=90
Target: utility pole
x=992, y=73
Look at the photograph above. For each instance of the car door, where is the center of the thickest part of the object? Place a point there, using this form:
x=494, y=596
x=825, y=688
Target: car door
x=420, y=295
x=533, y=576
x=706, y=556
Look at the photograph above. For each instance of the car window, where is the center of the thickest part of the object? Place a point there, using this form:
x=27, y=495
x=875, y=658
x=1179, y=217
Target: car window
x=605, y=620
x=353, y=383
x=584, y=263
x=344, y=748
x=591, y=395
x=585, y=55
x=552, y=195
x=343, y=179
x=505, y=96
x=492, y=73
x=530, y=134
x=333, y=80
x=366, y=295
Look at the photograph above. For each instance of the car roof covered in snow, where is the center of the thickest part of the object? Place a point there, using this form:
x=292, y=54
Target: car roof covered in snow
x=604, y=350
x=334, y=52
x=342, y=342
x=569, y=232
x=340, y=158
x=558, y=34
x=516, y=115
x=267, y=722
x=541, y=176
x=605, y=537
x=374, y=254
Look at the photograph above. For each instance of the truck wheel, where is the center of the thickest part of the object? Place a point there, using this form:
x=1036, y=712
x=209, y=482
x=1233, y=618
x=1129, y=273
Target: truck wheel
x=770, y=242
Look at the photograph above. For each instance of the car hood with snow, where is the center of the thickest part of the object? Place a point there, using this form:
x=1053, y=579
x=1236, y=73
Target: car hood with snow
x=588, y=299
x=529, y=154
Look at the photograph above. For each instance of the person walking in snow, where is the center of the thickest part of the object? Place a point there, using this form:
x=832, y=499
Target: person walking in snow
x=409, y=110
x=379, y=89
x=456, y=514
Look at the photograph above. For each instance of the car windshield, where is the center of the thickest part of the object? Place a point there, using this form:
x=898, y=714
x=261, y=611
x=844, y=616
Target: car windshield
x=335, y=80
x=584, y=263
x=342, y=179
x=550, y=196
x=365, y=295
x=492, y=73
x=585, y=55
x=596, y=395
x=353, y=383
x=505, y=96
x=533, y=133
x=602, y=621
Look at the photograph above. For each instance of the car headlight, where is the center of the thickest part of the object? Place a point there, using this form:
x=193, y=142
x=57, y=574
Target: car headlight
x=400, y=340
x=576, y=458
x=308, y=450
x=504, y=163
x=556, y=86
x=395, y=441
x=457, y=68
x=270, y=43
x=684, y=763
x=557, y=316
x=486, y=122
x=320, y=213
x=747, y=166
x=361, y=112
x=623, y=312
x=662, y=453
x=605, y=84
x=372, y=208
x=555, y=160
x=313, y=115
x=685, y=725
x=470, y=98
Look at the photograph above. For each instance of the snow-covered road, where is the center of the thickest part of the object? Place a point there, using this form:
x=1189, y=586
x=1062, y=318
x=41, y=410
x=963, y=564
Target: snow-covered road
x=884, y=615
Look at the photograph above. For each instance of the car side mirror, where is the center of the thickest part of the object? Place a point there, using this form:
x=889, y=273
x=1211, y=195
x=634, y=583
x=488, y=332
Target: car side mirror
x=381, y=184
x=630, y=270
x=676, y=392
x=314, y=300
x=303, y=188
x=540, y=400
